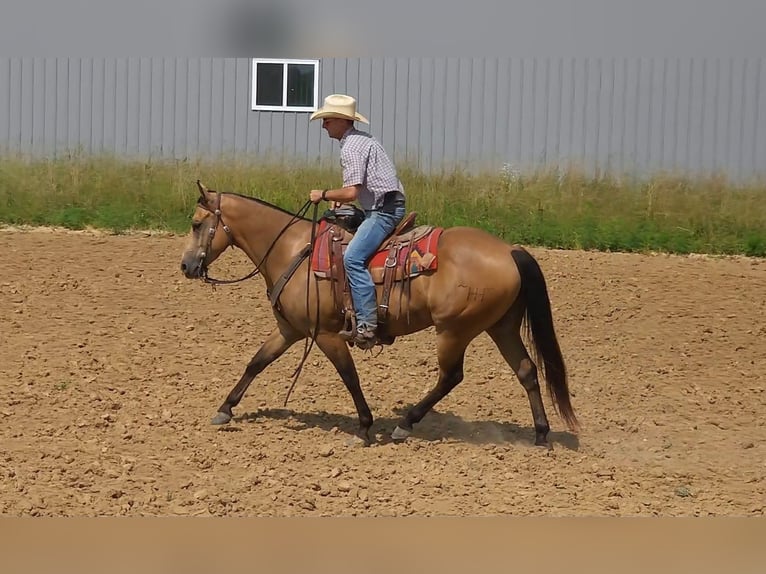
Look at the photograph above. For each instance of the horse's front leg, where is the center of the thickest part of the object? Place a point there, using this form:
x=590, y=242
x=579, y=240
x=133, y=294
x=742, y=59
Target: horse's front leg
x=337, y=351
x=273, y=347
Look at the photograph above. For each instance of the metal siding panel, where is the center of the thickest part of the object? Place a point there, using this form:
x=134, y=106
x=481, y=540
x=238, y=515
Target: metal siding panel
x=131, y=103
x=619, y=119
x=181, y=110
x=62, y=93
x=398, y=119
x=712, y=91
x=503, y=107
x=633, y=106
x=97, y=98
x=452, y=108
x=673, y=119
x=516, y=126
x=37, y=99
x=277, y=137
x=48, y=120
x=743, y=116
x=229, y=107
x=696, y=114
x=253, y=119
x=74, y=106
x=109, y=96
x=608, y=85
x=436, y=136
x=30, y=98
x=265, y=120
x=388, y=109
x=759, y=135
x=546, y=78
x=475, y=112
x=602, y=113
x=85, y=112
x=527, y=109
x=423, y=138
x=590, y=116
x=719, y=115
x=339, y=77
x=290, y=122
x=410, y=69
x=15, y=105
x=558, y=125
x=240, y=101
x=535, y=103
x=375, y=102
x=462, y=116
x=568, y=87
x=167, y=79
x=750, y=137
x=5, y=103
x=683, y=158
x=657, y=145
x=204, y=145
x=194, y=106
x=217, y=108
x=736, y=109
x=155, y=103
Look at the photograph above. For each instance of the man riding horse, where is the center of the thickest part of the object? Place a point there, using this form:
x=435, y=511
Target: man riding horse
x=370, y=178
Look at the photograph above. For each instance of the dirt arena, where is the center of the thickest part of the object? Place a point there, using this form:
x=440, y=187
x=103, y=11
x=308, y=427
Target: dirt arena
x=113, y=365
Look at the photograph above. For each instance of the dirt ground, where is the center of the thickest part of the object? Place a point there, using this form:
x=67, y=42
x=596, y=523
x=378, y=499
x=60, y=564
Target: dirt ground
x=112, y=365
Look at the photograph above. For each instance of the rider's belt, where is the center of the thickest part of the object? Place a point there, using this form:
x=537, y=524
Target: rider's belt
x=391, y=200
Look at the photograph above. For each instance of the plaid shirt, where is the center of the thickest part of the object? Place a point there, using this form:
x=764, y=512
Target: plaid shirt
x=365, y=163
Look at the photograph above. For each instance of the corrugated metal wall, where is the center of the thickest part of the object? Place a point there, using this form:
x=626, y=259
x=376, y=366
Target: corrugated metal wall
x=624, y=115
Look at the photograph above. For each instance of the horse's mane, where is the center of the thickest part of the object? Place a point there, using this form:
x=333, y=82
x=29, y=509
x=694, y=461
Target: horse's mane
x=261, y=201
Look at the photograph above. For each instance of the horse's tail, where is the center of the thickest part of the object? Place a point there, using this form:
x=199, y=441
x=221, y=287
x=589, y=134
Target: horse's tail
x=539, y=321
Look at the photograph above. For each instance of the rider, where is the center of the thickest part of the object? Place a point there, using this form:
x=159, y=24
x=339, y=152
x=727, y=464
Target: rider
x=369, y=176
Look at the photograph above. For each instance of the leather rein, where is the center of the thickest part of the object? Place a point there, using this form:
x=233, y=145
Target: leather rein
x=274, y=297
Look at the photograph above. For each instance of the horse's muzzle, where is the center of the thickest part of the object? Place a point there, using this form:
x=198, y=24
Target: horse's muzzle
x=192, y=267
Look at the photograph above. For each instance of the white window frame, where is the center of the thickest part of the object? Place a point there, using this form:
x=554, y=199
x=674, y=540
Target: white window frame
x=284, y=107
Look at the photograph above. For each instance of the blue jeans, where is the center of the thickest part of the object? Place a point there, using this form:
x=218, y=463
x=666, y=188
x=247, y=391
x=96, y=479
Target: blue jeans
x=371, y=233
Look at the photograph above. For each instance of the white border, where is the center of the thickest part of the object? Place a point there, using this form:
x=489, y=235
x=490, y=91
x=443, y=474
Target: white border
x=284, y=107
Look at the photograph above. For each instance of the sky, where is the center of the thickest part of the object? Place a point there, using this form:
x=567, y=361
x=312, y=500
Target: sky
x=316, y=28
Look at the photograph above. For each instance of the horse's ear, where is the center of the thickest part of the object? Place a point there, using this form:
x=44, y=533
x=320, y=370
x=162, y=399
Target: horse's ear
x=202, y=188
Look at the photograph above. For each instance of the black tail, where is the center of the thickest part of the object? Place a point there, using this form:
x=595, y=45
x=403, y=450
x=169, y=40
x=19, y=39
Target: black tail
x=540, y=321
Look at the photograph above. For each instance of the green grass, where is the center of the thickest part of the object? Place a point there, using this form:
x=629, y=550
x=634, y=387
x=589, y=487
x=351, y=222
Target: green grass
x=662, y=213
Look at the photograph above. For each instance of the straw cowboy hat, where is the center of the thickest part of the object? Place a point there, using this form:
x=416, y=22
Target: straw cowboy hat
x=339, y=106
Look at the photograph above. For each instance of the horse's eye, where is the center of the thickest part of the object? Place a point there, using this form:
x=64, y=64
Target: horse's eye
x=196, y=225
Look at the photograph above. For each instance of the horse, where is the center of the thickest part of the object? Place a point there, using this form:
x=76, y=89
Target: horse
x=480, y=284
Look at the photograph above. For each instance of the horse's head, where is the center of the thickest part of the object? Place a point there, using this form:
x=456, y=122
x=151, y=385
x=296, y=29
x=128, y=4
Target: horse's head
x=209, y=236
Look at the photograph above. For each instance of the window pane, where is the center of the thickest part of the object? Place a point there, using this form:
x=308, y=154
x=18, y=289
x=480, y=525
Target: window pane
x=300, y=85
x=269, y=86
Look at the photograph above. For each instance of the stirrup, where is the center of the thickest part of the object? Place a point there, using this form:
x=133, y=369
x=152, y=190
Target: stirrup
x=363, y=341
x=348, y=332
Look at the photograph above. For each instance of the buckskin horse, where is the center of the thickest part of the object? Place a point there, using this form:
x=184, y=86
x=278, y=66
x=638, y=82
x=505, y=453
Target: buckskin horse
x=471, y=282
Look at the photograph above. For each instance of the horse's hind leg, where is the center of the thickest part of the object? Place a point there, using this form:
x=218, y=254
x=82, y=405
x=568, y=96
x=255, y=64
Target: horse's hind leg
x=273, y=347
x=451, y=354
x=337, y=351
x=506, y=336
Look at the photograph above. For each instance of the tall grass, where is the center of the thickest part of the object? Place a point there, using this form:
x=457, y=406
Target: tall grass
x=548, y=208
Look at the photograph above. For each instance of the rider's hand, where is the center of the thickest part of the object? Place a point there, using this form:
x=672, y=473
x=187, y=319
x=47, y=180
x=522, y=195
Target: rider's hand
x=315, y=195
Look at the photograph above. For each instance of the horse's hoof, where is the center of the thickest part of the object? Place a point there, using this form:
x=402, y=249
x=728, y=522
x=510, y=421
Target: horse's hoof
x=221, y=419
x=357, y=441
x=543, y=444
x=400, y=434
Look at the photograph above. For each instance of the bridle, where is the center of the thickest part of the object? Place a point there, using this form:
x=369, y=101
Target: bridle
x=218, y=219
